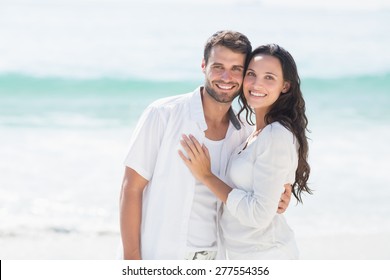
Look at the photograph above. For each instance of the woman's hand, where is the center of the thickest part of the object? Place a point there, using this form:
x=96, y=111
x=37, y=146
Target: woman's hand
x=285, y=199
x=198, y=160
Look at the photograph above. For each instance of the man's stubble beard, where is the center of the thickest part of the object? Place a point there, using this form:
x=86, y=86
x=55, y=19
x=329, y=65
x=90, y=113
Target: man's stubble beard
x=218, y=97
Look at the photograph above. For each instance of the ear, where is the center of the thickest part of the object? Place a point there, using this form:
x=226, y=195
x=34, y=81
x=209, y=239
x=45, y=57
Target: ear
x=286, y=87
x=203, y=65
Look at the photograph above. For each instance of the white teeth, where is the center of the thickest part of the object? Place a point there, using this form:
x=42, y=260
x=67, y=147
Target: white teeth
x=258, y=94
x=225, y=87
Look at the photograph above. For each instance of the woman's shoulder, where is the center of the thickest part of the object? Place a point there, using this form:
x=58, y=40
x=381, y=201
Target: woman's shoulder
x=278, y=132
x=276, y=128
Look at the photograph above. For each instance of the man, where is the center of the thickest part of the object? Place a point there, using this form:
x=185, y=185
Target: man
x=164, y=212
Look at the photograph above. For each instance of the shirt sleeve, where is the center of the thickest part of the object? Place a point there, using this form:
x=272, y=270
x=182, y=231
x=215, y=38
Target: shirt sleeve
x=145, y=142
x=276, y=161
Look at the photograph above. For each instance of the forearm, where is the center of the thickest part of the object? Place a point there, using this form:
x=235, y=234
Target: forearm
x=130, y=223
x=220, y=189
x=131, y=213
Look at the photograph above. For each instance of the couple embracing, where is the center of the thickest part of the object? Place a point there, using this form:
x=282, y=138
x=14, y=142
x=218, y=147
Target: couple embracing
x=202, y=182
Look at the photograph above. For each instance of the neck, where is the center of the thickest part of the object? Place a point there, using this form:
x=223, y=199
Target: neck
x=216, y=116
x=214, y=111
x=260, y=118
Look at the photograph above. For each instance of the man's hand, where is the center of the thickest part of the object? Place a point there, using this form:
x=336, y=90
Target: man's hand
x=285, y=199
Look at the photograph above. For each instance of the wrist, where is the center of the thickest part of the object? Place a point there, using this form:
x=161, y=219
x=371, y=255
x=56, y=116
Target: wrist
x=207, y=179
x=134, y=254
x=132, y=257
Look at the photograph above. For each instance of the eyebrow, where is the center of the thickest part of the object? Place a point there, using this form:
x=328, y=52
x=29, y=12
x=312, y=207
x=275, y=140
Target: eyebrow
x=269, y=73
x=218, y=63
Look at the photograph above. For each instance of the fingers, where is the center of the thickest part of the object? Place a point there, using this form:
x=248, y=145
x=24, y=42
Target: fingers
x=288, y=189
x=285, y=199
x=196, y=142
x=183, y=157
x=195, y=151
x=191, y=143
x=282, y=207
x=286, y=196
x=192, y=146
x=206, y=151
x=189, y=147
x=186, y=160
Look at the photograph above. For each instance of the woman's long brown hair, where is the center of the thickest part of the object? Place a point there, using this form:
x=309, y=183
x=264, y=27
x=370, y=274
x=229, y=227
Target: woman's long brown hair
x=289, y=110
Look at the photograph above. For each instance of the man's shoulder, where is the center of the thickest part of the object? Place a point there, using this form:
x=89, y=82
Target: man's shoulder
x=169, y=100
x=172, y=101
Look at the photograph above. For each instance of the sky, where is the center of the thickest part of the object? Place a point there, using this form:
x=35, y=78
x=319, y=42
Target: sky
x=164, y=39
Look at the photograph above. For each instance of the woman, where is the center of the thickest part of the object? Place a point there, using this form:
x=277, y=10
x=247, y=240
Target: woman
x=274, y=154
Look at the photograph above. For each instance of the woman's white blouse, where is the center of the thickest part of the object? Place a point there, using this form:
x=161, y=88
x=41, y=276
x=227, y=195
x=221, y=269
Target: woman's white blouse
x=250, y=223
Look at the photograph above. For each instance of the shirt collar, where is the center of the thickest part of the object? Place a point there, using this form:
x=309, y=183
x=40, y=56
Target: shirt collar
x=197, y=114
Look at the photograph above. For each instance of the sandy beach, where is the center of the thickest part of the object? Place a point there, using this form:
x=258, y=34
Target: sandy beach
x=84, y=247
x=59, y=247
x=345, y=247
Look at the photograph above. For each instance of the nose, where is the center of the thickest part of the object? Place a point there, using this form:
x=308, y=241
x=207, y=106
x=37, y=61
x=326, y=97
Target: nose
x=254, y=83
x=257, y=82
x=226, y=76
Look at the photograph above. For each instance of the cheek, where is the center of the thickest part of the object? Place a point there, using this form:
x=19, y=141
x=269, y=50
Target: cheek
x=276, y=95
x=247, y=82
x=276, y=88
x=245, y=87
x=238, y=75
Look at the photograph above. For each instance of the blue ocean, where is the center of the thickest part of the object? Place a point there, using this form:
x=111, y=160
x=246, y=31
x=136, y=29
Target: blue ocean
x=76, y=75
